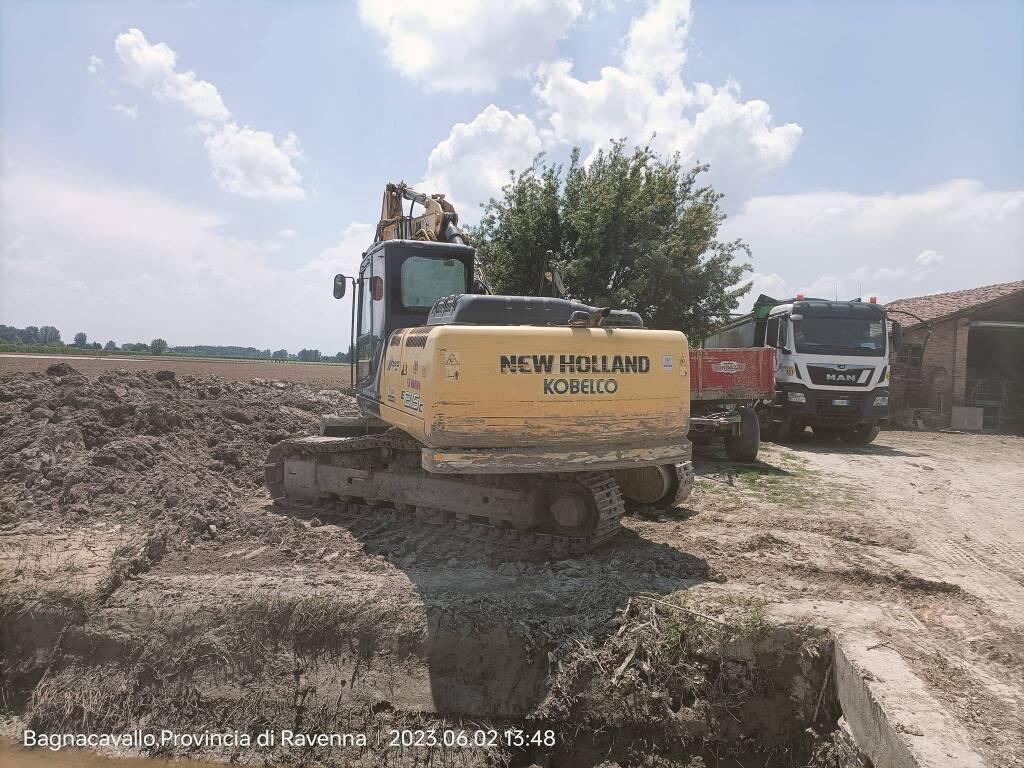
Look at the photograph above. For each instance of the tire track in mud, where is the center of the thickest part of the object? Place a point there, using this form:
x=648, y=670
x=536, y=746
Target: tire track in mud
x=951, y=492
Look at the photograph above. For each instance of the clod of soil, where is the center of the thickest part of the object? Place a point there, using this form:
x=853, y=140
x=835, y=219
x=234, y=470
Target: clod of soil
x=132, y=446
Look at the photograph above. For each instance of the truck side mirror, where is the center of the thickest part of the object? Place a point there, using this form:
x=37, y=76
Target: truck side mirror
x=340, y=284
x=897, y=335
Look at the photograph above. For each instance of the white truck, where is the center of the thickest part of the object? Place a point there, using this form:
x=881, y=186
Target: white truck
x=832, y=364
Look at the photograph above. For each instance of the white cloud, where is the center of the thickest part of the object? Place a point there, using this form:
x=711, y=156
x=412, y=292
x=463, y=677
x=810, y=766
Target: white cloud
x=954, y=235
x=473, y=163
x=771, y=284
x=656, y=41
x=644, y=97
x=95, y=65
x=287, y=234
x=344, y=257
x=248, y=163
x=152, y=67
x=470, y=44
x=929, y=258
x=132, y=112
x=647, y=96
x=244, y=161
x=130, y=265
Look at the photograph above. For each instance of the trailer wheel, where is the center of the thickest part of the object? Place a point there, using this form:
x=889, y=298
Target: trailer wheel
x=862, y=434
x=744, y=446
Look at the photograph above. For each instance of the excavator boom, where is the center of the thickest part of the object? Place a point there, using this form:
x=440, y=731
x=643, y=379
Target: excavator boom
x=438, y=222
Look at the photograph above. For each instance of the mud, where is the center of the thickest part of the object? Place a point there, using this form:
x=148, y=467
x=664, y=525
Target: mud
x=313, y=375
x=150, y=583
x=13, y=756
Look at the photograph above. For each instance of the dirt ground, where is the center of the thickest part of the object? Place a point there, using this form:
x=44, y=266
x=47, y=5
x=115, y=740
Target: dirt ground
x=318, y=375
x=926, y=526
x=137, y=542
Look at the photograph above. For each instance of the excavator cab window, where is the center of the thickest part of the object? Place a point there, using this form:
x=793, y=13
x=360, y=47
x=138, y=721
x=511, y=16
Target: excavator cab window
x=366, y=338
x=425, y=280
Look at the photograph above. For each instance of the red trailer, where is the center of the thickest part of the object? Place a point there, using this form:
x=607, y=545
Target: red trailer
x=729, y=390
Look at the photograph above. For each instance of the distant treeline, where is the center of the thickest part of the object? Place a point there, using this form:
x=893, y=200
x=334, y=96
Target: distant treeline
x=251, y=353
x=46, y=334
x=47, y=339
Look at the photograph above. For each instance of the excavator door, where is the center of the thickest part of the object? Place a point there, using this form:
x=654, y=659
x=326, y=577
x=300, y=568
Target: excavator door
x=398, y=282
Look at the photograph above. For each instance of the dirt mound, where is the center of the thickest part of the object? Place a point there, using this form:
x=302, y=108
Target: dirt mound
x=134, y=446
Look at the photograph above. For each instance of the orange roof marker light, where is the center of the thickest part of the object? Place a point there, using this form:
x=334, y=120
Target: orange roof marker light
x=873, y=300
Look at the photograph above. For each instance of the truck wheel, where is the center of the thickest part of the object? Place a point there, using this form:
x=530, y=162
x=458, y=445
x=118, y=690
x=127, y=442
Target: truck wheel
x=779, y=430
x=743, y=447
x=862, y=434
x=825, y=433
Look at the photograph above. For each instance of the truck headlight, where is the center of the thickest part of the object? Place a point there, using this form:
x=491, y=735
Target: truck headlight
x=796, y=397
x=882, y=400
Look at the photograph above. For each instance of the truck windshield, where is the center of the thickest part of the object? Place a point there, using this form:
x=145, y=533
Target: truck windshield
x=839, y=336
x=425, y=280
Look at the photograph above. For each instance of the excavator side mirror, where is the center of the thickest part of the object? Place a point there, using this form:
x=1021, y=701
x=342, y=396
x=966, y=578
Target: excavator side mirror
x=897, y=335
x=340, y=284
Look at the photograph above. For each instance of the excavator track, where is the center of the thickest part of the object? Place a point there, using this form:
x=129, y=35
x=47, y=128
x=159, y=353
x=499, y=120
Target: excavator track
x=602, y=487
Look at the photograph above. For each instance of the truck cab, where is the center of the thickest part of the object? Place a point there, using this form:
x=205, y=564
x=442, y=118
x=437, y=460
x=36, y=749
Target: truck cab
x=832, y=367
x=832, y=364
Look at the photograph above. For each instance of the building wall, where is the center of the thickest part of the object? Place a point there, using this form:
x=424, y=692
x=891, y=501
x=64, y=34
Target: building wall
x=941, y=380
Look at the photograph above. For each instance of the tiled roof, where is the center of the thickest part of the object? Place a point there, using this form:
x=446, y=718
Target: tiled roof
x=941, y=305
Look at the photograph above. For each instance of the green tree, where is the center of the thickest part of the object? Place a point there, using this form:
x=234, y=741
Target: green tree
x=110, y=345
x=49, y=335
x=309, y=355
x=30, y=335
x=81, y=339
x=280, y=354
x=630, y=230
x=158, y=346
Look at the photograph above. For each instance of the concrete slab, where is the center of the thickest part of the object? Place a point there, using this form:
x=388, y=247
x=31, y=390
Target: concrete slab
x=894, y=720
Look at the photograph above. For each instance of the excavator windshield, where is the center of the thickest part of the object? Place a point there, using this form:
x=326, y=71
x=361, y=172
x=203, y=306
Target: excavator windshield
x=424, y=280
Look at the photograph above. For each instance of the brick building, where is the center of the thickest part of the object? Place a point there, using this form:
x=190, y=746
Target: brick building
x=963, y=349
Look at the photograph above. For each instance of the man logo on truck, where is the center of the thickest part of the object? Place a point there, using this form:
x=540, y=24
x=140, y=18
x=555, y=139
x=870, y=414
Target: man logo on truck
x=842, y=377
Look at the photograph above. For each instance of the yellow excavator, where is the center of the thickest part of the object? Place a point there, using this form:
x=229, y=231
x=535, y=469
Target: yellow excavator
x=526, y=420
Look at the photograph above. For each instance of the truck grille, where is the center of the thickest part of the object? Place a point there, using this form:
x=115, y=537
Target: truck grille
x=849, y=376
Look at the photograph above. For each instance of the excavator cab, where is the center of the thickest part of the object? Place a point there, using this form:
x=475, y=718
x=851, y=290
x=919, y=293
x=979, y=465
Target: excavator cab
x=398, y=283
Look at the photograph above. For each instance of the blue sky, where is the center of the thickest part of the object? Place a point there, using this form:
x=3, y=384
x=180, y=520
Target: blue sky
x=864, y=147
